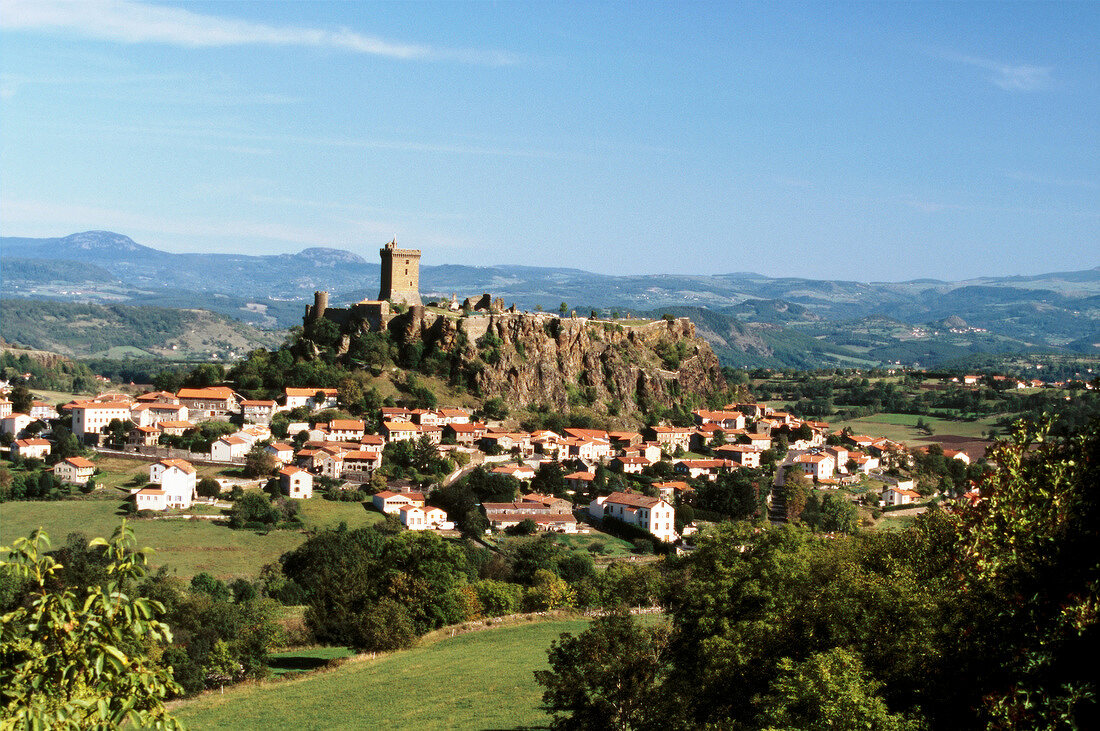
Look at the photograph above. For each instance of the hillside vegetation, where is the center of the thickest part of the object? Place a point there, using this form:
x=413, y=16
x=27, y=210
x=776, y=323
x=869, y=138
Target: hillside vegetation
x=84, y=330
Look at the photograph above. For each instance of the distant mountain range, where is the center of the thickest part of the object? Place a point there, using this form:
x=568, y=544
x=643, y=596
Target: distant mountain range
x=751, y=319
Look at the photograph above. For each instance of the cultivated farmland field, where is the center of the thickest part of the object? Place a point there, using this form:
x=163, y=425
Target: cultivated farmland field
x=186, y=546
x=481, y=680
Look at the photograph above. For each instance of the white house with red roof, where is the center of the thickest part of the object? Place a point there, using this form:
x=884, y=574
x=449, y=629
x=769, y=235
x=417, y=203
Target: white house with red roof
x=817, y=466
x=518, y=471
x=648, y=513
x=31, y=448
x=229, y=448
x=178, y=478
x=92, y=418
x=258, y=411
x=390, y=502
x=296, y=483
x=423, y=517
x=900, y=496
x=283, y=453
x=629, y=465
x=296, y=397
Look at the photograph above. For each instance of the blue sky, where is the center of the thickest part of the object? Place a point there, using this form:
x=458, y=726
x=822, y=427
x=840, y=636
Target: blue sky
x=835, y=140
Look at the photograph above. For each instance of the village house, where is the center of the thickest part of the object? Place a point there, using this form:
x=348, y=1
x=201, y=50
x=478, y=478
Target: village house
x=579, y=482
x=298, y=397
x=258, y=411
x=590, y=450
x=706, y=435
x=426, y=417
x=518, y=471
x=648, y=450
x=214, y=402
x=723, y=419
x=144, y=436
x=346, y=429
x=751, y=411
x=672, y=488
x=743, y=454
x=506, y=442
x=629, y=465
x=708, y=468
x=283, y=453
x=177, y=478
x=359, y=464
x=957, y=454
x=900, y=496
x=754, y=439
x=5, y=407
x=152, y=414
x=863, y=462
x=670, y=438
x=175, y=428
x=150, y=498
x=589, y=434
x=42, y=410
x=416, y=517
x=433, y=432
x=396, y=413
x=648, y=513
x=30, y=448
x=859, y=441
x=453, y=416
x=90, y=419
x=74, y=470
x=162, y=397
x=399, y=431
x=390, y=502
x=296, y=483
x=464, y=433
x=332, y=462
x=228, y=448
x=817, y=466
x=624, y=439
x=547, y=512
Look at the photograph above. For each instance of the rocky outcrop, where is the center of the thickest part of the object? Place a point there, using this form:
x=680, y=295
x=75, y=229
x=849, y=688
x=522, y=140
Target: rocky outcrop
x=534, y=358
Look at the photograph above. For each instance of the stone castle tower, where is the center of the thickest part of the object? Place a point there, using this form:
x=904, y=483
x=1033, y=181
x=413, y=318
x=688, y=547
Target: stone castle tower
x=400, y=274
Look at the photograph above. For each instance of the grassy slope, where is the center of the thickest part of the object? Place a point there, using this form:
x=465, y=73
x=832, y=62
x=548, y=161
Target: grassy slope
x=187, y=546
x=900, y=427
x=476, y=681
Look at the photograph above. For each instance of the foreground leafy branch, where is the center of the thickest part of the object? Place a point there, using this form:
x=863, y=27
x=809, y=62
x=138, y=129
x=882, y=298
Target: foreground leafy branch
x=66, y=663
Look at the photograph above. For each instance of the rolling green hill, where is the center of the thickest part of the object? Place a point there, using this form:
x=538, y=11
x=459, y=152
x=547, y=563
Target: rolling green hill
x=115, y=331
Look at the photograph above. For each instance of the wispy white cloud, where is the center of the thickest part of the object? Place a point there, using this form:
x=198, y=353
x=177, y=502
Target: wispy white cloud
x=124, y=21
x=1010, y=77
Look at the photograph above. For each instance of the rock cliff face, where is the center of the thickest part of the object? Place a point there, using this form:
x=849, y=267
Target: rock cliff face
x=542, y=359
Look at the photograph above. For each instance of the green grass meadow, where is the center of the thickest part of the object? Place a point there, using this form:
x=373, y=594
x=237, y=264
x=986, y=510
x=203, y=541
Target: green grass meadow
x=481, y=680
x=902, y=427
x=188, y=547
